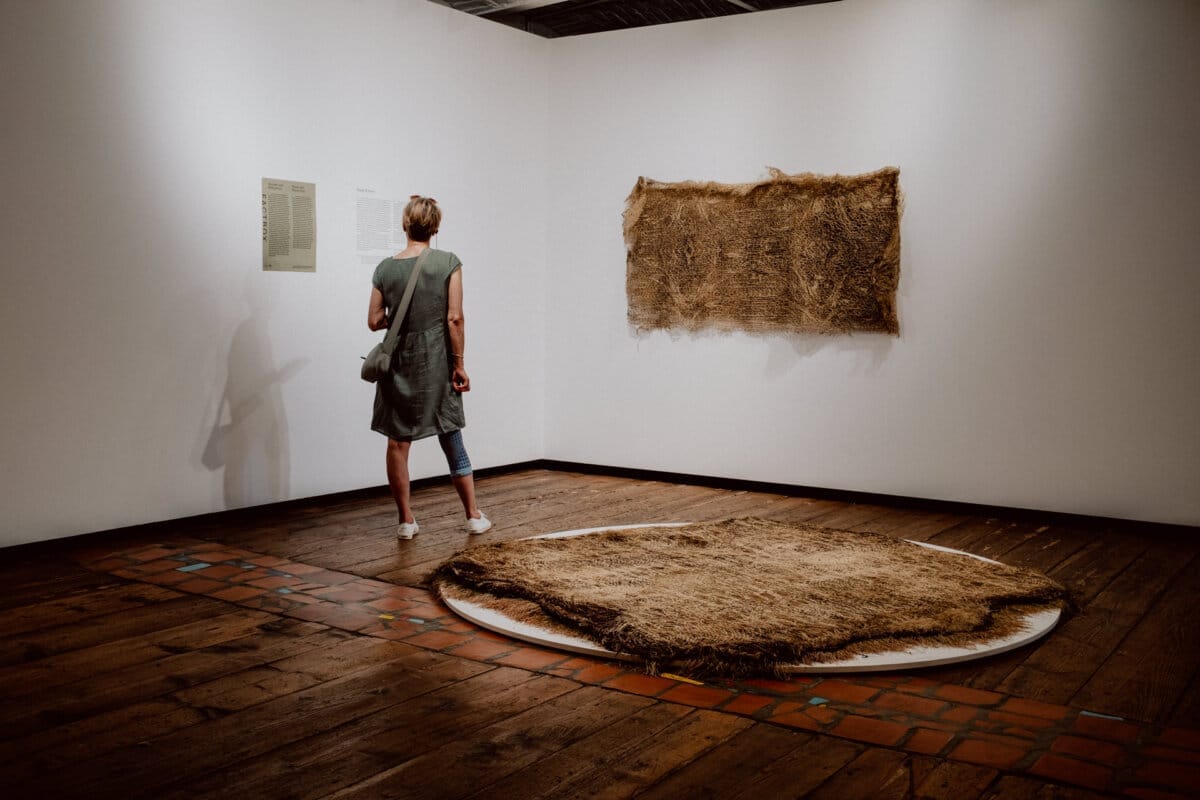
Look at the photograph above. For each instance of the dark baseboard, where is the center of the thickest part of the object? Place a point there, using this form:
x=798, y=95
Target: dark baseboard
x=183, y=524
x=871, y=498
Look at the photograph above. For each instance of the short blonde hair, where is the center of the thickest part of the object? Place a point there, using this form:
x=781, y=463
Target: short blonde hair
x=422, y=217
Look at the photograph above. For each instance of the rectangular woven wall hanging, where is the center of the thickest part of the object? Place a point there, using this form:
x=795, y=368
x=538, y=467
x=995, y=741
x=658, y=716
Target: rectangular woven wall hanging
x=804, y=253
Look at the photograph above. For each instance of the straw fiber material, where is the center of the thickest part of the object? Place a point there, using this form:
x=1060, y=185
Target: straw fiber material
x=795, y=253
x=747, y=596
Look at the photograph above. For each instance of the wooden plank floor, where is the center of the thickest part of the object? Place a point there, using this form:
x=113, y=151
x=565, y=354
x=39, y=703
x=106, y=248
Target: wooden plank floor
x=113, y=687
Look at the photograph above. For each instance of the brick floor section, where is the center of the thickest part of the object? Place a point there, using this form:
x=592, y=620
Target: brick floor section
x=531, y=658
x=906, y=712
x=1105, y=728
x=962, y=694
x=1146, y=793
x=907, y=702
x=235, y=593
x=799, y=720
x=701, y=696
x=929, y=742
x=873, y=731
x=746, y=704
x=1169, y=773
x=836, y=689
x=1091, y=749
x=480, y=649
x=1180, y=737
x=436, y=640
x=988, y=754
x=1071, y=770
x=1032, y=708
x=640, y=684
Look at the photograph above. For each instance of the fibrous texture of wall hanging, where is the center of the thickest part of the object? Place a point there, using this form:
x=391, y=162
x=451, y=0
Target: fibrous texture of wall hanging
x=800, y=253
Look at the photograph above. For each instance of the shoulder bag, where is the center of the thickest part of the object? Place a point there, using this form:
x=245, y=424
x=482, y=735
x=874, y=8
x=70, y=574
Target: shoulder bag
x=378, y=362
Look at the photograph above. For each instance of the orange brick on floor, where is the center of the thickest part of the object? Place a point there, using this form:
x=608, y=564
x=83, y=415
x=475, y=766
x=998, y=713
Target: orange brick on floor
x=796, y=719
x=960, y=714
x=200, y=586
x=1161, y=753
x=689, y=695
x=1005, y=719
x=1149, y=793
x=964, y=694
x=530, y=658
x=635, y=683
x=910, y=703
x=1104, y=728
x=823, y=714
x=151, y=553
x=746, y=704
x=1180, y=737
x=275, y=582
x=219, y=571
x=215, y=556
x=835, y=689
x=390, y=603
x=1172, y=774
x=988, y=754
x=1072, y=770
x=596, y=673
x=927, y=741
x=1089, y=749
x=235, y=593
x=151, y=567
x=169, y=578
x=872, y=731
x=1033, y=708
x=436, y=640
x=481, y=649
x=774, y=686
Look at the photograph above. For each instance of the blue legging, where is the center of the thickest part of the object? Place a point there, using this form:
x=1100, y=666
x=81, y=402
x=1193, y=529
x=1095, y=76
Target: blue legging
x=456, y=453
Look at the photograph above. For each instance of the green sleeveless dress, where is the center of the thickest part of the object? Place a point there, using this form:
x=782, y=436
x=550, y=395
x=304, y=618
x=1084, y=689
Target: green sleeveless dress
x=416, y=400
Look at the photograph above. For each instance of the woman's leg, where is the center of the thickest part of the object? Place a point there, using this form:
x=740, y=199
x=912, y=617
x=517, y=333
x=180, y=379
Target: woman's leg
x=460, y=471
x=397, y=472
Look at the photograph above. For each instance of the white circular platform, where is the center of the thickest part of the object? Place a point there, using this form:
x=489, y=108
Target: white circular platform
x=1036, y=626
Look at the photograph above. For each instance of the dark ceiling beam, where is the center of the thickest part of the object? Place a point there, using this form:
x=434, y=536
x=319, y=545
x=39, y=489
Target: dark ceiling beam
x=575, y=17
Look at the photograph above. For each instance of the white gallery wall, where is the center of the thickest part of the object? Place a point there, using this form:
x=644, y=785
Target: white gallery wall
x=1048, y=297
x=1049, y=300
x=151, y=369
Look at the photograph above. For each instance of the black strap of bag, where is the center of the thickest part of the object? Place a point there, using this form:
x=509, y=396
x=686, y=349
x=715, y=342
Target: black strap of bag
x=393, y=334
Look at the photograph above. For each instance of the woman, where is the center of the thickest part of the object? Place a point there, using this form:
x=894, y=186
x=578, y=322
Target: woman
x=422, y=395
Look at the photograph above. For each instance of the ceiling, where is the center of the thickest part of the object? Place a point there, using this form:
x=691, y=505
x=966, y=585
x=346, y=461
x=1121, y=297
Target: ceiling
x=554, y=18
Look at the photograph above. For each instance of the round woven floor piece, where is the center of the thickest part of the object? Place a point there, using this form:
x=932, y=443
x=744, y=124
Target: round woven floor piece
x=1036, y=625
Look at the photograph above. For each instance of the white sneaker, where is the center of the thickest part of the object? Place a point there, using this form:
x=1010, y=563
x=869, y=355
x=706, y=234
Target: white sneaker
x=481, y=525
x=407, y=530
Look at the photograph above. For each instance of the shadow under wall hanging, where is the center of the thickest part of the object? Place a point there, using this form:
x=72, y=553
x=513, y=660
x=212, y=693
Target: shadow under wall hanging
x=795, y=253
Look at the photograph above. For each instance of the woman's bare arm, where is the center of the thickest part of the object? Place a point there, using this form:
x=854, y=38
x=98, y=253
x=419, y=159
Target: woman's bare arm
x=456, y=326
x=376, y=313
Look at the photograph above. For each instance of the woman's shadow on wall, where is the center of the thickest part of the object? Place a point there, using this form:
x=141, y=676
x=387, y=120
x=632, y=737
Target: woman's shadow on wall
x=249, y=438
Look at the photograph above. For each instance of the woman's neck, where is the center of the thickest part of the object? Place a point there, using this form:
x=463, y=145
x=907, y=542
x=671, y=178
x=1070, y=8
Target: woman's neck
x=413, y=249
